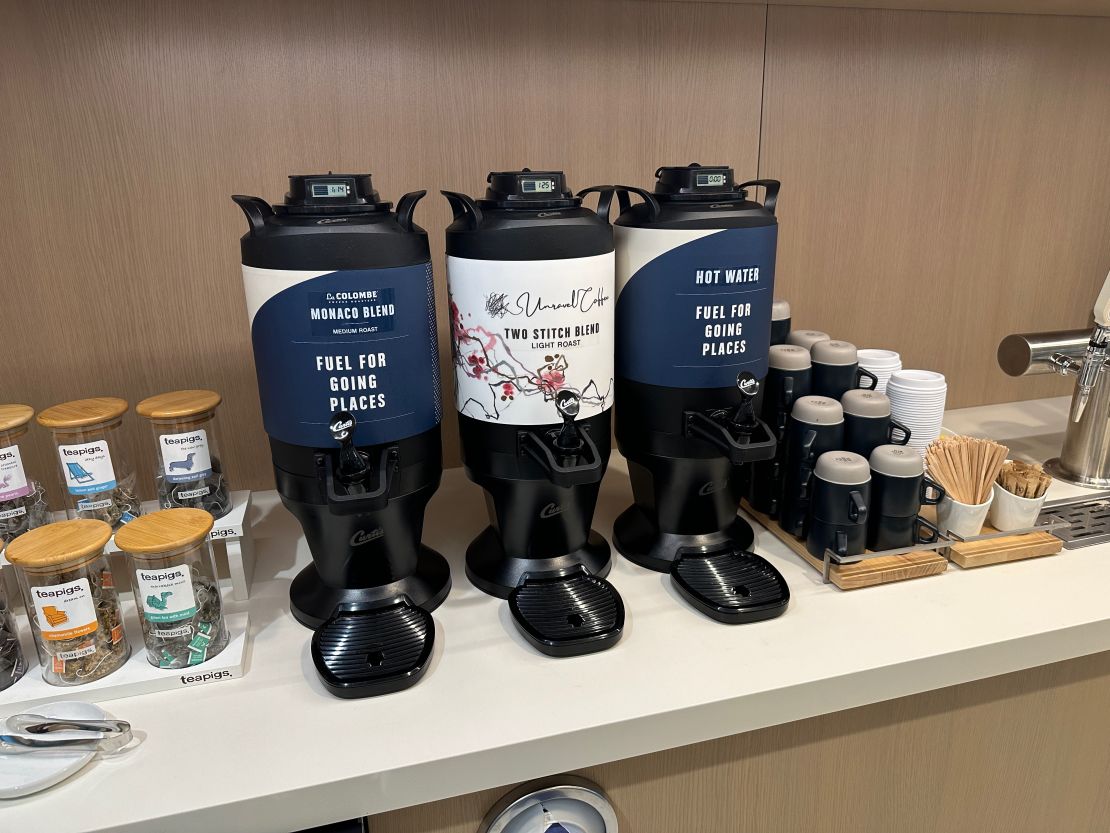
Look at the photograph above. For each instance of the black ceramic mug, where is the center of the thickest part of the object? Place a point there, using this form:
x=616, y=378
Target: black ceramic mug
x=780, y=322
x=868, y=423
x=787, y=380
x=838, y=506
x=815, y=425
x=899, y=488
x=836, y=369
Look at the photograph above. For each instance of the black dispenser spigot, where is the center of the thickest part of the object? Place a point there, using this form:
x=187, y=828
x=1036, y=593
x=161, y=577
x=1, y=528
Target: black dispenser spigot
x=743, y=419
x=569, y=439
x=353, y=467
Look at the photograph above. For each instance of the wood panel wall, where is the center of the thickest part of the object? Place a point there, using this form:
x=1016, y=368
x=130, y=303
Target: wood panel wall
x=127, y=125
x=953, y=162
x=1022, y=753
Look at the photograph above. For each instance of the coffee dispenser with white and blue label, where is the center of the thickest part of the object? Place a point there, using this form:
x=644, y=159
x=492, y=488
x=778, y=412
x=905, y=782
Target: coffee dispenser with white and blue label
x=342, y=312
x=695, y=266
x=530, y=275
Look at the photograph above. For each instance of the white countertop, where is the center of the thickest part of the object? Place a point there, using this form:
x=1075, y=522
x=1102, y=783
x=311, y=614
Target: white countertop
x=274, y=752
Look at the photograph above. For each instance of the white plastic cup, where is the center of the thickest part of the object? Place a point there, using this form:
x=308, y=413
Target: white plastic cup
x=963, y=519
x=1010, y=511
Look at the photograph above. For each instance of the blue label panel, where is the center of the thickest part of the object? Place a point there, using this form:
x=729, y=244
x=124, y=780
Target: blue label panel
x=361, y=340
x=699, y=314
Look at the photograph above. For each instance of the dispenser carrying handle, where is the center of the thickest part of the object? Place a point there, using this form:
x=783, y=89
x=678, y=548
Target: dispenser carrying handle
x=256, y=209
x=405, y=208
x=772, y=186
x=464, y=206
x=604, y=199
x=624, y=202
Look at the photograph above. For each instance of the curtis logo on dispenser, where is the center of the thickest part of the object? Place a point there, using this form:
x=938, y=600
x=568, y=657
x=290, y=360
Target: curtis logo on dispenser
x=551, y=510
x=362, y=537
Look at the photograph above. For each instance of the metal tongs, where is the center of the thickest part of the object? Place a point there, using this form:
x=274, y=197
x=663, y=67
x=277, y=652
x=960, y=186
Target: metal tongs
x=35, y=729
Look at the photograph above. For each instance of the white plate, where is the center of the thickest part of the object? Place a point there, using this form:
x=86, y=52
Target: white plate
x=24, y=774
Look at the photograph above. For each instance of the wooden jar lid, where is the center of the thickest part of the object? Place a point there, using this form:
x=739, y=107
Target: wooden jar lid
x=15, y=416
x=179, y=404
x=60, y=543
x=164, y=531
x=83, y=412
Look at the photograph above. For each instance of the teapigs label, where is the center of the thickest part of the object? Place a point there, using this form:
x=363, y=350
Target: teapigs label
x=185, y=456
x=13, y=479
x=166, y=594
x=87, y=467
x=64, y=611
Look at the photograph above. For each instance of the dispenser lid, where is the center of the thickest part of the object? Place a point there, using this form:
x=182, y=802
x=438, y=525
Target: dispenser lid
x=81, y=413
x=64, y=542
x=695, y=182
x=15, y=416
x=164, y=531
x=865, y=403
x=788, y=357
x=331, y=193
x=834, y=352
x=178, y=404
x=844, y=467
x=780, y=310
x=817, y=410
x=806, y=338
x=897, y=461
x=528, y=189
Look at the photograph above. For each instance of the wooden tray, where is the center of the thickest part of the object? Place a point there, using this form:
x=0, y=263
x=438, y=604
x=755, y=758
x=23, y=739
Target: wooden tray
x=869, y=573
x=999, y=550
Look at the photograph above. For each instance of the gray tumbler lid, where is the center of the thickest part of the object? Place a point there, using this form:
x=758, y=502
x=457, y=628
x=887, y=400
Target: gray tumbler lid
x=834, y=352
x=780, y=310
x=844, y=467
x=788, y=357
x=897, y=461
x=806, y=338
x=817, y=410
x=865, y=403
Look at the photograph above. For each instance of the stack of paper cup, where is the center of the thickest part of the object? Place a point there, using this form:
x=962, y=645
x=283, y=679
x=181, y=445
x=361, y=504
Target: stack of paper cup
x=882, y=363
x=917, y=401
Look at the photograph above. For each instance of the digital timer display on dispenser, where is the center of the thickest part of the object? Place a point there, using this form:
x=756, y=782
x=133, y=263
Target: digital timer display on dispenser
x=537, y=186
x=330, y=189
x=713, y=180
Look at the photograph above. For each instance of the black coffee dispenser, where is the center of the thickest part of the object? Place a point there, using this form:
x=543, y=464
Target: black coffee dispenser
x=695, y=281
x=530, y=275
x=342, y=310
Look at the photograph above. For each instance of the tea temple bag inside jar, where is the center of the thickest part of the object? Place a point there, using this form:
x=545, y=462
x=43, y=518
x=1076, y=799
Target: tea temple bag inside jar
x=71, y=600
x=173, y=573
x=23, y=503
x=97, y=471
x=12, y=666
x=188, y=470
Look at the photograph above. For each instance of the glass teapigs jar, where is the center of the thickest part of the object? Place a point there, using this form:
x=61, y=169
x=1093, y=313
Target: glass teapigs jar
x=12, y=665
x=98, y=474
x=71, y=600
x=23, y=503
x=188, y=469
x=173, y=573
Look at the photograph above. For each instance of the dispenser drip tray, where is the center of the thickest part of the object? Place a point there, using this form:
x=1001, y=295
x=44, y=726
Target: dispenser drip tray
x=568, y=615
x=732, y=586
x=367, y=651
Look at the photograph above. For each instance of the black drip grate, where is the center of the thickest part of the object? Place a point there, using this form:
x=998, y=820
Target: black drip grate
x=731, y=586
x=363, y=653
x=570, y=615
